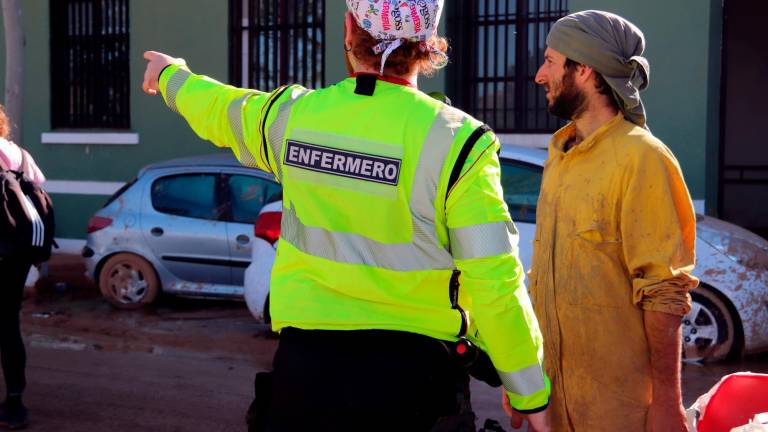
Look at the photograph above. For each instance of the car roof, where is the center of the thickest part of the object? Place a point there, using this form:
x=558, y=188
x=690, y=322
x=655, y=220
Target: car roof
x=531, y=155
x=216, y=160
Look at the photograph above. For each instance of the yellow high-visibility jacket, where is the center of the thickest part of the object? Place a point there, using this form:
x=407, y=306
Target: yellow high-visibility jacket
x=371, y=235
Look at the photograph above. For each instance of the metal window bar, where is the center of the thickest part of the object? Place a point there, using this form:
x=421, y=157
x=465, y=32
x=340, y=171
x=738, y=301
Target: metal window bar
x=496, y=54
x=745, y=174
x=90, y=79
x=276, y=42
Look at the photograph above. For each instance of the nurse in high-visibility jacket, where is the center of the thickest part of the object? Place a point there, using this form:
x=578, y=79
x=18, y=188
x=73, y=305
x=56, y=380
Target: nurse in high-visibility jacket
x=395, y=237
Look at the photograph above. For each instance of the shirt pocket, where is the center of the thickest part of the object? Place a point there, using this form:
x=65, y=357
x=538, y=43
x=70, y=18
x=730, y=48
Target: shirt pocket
x=598, y=273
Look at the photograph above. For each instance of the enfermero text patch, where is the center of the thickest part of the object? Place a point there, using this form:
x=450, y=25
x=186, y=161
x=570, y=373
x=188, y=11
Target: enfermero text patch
x=343, y=163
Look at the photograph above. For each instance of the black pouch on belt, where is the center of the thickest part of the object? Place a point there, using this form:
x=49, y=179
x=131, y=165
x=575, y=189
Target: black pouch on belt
x=257, y=415
x=475, y=361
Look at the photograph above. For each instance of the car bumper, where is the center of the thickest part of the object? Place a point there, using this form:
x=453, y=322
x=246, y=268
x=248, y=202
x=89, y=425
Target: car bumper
x=91, y=260
x=257, y=277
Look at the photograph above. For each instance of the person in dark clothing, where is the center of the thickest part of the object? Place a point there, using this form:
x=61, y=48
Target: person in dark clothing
x=13, y=274
x=410, y=381
x=14, y=358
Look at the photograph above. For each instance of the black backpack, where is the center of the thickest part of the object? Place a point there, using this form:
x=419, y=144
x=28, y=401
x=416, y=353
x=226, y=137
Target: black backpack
x=27, y=222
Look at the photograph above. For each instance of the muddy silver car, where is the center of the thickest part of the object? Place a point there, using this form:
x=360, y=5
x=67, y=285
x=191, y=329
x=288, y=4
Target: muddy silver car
x=183, y=227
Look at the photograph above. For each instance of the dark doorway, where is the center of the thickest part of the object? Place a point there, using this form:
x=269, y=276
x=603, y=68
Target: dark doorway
x=743, y=194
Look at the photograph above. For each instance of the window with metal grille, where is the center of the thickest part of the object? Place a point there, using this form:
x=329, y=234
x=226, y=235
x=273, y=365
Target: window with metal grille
x=498, y=45
x=90, y=79
x=276, y=42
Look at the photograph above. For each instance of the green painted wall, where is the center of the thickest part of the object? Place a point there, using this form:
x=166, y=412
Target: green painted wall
x=713, y=106
x=2, y=59
x=682, y=98
x=158, y=25
x=678, y=47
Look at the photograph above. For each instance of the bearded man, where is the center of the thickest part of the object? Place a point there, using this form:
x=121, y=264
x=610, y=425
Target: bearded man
x=614, y=245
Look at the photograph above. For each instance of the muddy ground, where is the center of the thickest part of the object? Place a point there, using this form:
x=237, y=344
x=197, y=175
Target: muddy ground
x=182, y=365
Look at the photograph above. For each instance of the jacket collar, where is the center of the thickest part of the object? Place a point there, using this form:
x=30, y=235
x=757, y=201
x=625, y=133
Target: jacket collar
x=387, y=78
x=557, y=144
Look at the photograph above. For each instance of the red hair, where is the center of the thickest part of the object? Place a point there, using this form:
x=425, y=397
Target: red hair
x=404, y=60
x=5, y=127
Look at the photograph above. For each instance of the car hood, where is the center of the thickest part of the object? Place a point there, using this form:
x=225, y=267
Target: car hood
x=736, y=240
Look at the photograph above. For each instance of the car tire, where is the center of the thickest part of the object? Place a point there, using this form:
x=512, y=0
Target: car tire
x=128, y=281
x=709, y=329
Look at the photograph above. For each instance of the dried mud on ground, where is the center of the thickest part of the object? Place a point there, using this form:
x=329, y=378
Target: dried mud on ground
x=179, y=365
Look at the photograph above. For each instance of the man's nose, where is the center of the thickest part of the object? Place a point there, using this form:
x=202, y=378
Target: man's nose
x=540, y=78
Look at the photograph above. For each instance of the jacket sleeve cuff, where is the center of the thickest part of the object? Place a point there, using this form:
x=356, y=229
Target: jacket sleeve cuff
x=170, y=81
x=670, y=296
x=164, y=69
x=533, y=410
x=532, y=402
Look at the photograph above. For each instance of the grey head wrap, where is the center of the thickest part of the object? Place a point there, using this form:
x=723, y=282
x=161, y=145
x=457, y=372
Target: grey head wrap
x=613, y=47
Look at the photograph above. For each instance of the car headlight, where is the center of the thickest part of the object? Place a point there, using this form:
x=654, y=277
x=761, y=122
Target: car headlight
x=739, y=250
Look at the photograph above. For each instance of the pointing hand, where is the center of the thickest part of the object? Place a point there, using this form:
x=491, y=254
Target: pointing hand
x=157, y=62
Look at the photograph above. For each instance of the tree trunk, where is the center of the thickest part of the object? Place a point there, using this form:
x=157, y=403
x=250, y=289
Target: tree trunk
x=14, y=66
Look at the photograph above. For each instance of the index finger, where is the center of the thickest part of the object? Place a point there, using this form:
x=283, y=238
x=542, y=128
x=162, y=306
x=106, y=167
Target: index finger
x=149, y=55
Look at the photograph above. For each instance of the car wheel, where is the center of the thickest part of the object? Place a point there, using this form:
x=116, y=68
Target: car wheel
x=128, y=281
x=709, y=333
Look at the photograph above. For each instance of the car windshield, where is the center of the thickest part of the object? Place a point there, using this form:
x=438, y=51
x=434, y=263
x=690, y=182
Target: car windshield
x=521, y=183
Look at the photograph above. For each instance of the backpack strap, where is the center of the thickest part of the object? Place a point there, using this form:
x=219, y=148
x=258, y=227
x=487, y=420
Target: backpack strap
x=464, y=153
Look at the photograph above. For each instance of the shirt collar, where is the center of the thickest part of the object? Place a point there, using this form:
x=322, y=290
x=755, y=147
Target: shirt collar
x=386, y=78
x=557, y=144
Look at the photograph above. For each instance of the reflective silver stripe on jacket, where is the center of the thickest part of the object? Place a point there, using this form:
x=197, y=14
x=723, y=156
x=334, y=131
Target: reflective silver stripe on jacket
x=485, y=240
x=174, y=84
x=425, y=251
x=426, y=180
x=235, y=114
x=276, y=134
x=353, y=248
x=523, y=382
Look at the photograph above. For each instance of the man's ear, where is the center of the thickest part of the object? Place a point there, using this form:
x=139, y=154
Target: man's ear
x=349, y=23
x=584, y=73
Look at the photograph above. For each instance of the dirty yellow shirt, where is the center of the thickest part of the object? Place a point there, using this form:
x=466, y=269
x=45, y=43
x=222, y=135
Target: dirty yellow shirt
x=615, y=232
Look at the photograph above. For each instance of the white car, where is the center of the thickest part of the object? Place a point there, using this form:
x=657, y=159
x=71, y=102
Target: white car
x=730, y=307
x=266, y=231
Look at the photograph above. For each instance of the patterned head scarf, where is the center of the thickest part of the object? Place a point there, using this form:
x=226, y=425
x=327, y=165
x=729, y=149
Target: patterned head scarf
x=394, y=22
x=613, y=47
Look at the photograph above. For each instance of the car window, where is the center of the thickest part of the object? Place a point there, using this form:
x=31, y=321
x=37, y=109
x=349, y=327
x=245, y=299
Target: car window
x=189, y=195
x=521, y=183
x=119, y=192
x=248, y=194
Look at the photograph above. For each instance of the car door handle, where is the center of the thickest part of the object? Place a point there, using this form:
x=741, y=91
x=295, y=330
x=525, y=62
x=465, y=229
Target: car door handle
x=156, y=231
x=243, y=239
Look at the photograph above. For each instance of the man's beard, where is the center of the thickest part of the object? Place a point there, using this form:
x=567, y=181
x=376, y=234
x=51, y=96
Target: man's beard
x=571, y=102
